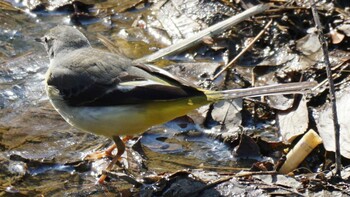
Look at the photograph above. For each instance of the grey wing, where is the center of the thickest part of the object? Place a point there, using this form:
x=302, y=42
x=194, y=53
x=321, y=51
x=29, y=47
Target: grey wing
x=117, y=85
x=165, y=75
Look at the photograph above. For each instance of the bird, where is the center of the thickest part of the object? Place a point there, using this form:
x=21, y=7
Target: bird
x=110, y=95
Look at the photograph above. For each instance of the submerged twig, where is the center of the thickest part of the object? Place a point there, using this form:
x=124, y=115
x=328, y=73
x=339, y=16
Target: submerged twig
x=209, y=185
x=331, y=87
x=196, y=38
x=109, y=44
x=125, y=177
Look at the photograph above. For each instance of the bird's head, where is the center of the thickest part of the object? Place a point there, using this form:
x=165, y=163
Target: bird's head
x=62, y=39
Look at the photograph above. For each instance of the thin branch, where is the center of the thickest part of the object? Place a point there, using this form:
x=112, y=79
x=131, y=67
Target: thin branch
x=331, y=87
x=212, y=30
x=243, y=51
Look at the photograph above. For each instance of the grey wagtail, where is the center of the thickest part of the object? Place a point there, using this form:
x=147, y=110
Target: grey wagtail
x=107, y=94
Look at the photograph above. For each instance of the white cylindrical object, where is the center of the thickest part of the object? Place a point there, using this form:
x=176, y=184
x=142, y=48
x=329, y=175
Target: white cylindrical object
x=300, y=151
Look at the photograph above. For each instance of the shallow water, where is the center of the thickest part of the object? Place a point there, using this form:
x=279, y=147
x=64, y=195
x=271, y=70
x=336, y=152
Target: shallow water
x=40, y=153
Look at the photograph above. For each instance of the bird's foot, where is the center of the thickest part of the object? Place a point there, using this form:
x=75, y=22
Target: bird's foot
x=109, y=167
x=100, y=154
x=120, y=145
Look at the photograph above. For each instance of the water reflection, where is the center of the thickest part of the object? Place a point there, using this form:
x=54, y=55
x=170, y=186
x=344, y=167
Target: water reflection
x=34, y=139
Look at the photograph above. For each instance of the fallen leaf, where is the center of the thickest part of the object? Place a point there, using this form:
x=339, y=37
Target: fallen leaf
x=293, y=123
x=325, y=124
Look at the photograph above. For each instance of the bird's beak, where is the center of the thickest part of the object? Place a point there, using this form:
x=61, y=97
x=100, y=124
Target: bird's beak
x=41, y=40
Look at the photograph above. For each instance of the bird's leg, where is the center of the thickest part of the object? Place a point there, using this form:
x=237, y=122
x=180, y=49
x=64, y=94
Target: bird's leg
x=101, y=154
x=109, y=150
x=120, y=145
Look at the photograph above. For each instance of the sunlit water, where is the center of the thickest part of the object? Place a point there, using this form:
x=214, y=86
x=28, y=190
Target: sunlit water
x=37, y=142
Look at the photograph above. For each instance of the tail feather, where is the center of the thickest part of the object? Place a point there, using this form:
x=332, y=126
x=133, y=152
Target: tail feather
x=276, y=89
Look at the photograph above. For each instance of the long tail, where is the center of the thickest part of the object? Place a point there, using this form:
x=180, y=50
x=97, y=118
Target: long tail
x=288, y=88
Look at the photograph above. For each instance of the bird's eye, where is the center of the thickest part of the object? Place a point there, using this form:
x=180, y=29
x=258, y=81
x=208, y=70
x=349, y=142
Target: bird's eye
x=46, y=39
